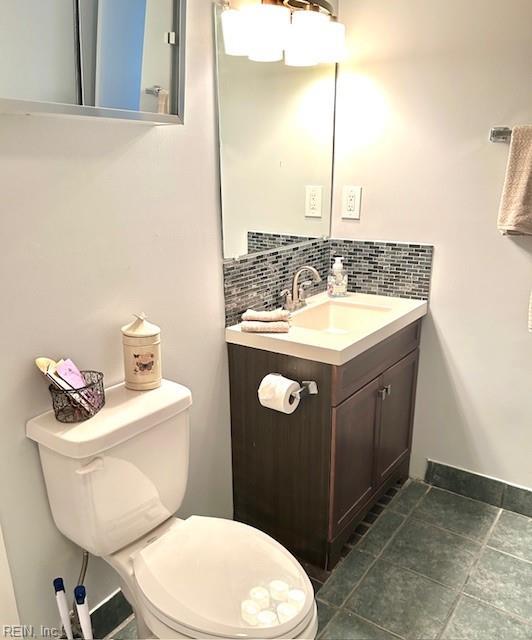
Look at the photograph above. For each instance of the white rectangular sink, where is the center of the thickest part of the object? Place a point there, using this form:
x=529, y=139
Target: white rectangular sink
x=334, y=331
x=337, y=317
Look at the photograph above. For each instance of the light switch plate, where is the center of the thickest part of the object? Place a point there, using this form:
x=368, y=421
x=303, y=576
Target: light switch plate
x=313, y=201
x=351, y=202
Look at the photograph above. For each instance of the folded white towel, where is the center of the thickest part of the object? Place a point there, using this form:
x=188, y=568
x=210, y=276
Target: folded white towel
x=253, y=326
x=515, y=215
x=266, y=316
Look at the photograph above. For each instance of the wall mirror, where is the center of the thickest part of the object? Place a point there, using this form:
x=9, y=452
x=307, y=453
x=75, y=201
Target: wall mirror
x=276, y=127
x=110, y=58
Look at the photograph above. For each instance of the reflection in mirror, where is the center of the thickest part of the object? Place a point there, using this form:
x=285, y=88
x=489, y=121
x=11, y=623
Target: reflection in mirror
x=276, y=146
x=133, y=55
x=37, y=44
x=111, y=54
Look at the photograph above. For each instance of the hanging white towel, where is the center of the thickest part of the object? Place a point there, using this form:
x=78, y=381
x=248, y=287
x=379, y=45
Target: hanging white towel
x=163, y=101
x=515, y=214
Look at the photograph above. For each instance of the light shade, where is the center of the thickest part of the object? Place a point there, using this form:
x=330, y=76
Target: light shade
x=332, y=46
x=305, y=38
x=267, y=26
x=235, y=32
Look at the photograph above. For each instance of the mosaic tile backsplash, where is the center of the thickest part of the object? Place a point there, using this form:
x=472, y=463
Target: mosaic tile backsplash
x=383, y=268
x=255, y=282
x=262, y=241
x=386, y=268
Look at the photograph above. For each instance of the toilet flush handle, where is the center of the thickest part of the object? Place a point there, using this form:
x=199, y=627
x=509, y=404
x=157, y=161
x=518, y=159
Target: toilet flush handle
x=94, y=465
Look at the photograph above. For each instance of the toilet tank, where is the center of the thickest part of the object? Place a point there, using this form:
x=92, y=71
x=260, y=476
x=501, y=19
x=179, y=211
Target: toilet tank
x=115, y=477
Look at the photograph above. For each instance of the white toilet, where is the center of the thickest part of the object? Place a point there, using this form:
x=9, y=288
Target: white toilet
x=114, y=484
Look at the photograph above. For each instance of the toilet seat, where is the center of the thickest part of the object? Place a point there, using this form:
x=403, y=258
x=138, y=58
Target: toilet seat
x=194, y=577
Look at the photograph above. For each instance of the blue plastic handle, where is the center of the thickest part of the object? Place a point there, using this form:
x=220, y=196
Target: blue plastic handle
x=59, y=585
x=80, y=594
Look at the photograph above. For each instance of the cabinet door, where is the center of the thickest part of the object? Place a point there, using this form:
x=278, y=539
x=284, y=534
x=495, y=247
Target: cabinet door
x=396, y=399
x=352, y=455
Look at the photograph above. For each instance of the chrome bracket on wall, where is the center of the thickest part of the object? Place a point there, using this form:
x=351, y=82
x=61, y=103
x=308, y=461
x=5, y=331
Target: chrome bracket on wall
x=500, y=134
x=154, y=91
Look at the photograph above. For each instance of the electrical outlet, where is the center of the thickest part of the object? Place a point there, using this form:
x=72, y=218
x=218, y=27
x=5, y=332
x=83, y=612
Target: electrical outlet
x=351, y=201
x=313, y=201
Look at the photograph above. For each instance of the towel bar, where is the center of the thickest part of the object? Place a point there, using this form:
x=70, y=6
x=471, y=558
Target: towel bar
x=500, y=134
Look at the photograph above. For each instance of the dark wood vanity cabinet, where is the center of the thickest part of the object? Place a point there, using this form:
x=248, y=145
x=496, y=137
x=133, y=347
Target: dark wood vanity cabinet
x=371, y=435
x=394, y=428
x=354, y=435
x=309, y=478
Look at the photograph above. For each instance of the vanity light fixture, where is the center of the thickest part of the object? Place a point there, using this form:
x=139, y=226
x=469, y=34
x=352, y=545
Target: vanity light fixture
x=267, y=25
x=306, y=31
x=333, y=46
x=235, y=32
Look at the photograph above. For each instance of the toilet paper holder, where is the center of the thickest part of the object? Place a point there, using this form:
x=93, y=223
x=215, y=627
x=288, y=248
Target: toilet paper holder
x=284, y=394
x=308, y=388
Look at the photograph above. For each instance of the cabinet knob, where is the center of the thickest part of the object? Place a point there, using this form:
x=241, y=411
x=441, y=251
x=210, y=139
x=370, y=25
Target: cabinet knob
x=385, y=392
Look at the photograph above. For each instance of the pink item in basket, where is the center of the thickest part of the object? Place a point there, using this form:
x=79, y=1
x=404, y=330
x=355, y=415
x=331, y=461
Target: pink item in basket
x=68, y=372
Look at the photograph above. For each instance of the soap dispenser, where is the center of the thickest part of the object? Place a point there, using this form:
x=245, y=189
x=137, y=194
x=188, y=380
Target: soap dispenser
x=337, y=280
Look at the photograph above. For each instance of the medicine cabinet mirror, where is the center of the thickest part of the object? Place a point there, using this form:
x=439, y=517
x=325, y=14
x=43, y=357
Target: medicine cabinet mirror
x=108, y=58
x=276, y=127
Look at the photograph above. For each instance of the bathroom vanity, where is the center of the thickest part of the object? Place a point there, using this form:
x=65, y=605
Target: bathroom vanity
x=310, y=477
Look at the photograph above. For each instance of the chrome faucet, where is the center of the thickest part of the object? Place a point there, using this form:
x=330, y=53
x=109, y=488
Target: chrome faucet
x=295, y=299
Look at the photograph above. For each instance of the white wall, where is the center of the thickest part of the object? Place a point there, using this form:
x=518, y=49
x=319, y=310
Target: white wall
x=425, y=82
x=100, y=219
x=8, y=605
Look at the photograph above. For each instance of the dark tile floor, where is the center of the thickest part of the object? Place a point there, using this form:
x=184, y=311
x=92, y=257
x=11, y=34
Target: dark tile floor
x=427, y=564
x=434, y=565
x=126, y=631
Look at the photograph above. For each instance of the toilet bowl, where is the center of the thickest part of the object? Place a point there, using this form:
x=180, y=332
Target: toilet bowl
x=190, y=577
x=126, y=472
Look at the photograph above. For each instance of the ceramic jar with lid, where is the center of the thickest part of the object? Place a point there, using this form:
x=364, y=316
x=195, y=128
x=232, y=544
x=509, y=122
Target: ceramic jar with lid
x=142, y=354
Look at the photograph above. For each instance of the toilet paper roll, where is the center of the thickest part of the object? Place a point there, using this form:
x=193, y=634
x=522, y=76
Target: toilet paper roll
x=279, y=393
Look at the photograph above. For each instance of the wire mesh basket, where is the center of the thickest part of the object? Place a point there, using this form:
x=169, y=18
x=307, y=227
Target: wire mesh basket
x=79, y=404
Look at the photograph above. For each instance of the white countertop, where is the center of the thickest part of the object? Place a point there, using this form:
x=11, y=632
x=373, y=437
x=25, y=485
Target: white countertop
x=374, y=318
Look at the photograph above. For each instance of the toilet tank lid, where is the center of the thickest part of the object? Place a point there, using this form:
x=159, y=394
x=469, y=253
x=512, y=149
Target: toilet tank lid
x=126, y=414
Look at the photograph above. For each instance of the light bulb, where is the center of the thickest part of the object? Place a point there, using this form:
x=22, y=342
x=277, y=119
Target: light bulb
x=267, y=26
x=333, y=47
x=305, y=38
x=235, y=32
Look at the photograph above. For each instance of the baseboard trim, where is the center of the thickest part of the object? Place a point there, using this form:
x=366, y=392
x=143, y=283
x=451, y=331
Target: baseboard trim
x=479, y=487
